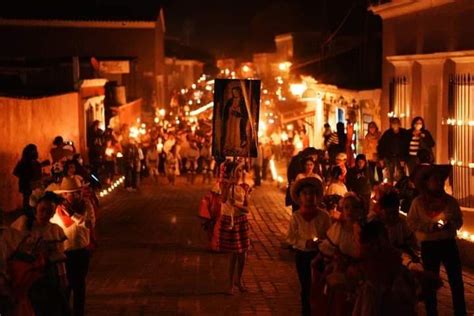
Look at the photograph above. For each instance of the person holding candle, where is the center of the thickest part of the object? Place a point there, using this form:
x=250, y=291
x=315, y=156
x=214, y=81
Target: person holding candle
x=308, y=225
x=435, y=218
x=75, y=215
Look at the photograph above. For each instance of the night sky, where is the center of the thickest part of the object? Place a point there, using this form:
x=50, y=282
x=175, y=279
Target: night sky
x=240, y=28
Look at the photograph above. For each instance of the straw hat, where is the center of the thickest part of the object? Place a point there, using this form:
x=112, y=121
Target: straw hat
x=305, y=182
x=69, y=184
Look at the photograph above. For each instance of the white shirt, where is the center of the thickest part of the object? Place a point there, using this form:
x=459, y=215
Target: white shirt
x=301, y=230
x=78, y=234
x=340, y=238
x=336, y=188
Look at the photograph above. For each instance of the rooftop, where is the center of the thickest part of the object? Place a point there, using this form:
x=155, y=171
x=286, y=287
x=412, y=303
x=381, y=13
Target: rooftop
x=86, y=10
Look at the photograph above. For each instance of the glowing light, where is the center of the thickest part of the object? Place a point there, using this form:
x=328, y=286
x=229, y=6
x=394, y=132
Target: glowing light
x=245, y=68
x=109, y=189
x=271, y=121
x=471, y=123
x=297, y=89
x=208, y=88
x=284, y=136
x=190, y=102
x=268, y=102
x=183, y=91
x=193, y=86
x=391, y=114
x=119, y=155
x=285, y=66
x=460, y=123
x=226, y=72
x=289, y=127
x=459, y=163
x=471, y=165
x=109, y=152
x=143, y=125
x=273, y=169
x=156, y=120
x=453, y=162
x=162, y=112
x=265, y=91
x=202, y=109
x=280, y=179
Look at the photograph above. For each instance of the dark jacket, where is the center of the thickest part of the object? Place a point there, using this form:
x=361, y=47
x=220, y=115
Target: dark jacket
x=27, y=172
x=393, y=145
x=358, y=181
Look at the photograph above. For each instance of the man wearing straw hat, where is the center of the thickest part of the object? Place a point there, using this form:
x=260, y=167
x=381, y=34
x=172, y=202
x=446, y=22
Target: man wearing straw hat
x=76, y=217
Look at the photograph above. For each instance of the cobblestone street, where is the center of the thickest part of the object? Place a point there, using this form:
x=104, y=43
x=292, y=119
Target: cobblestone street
x=153, y=258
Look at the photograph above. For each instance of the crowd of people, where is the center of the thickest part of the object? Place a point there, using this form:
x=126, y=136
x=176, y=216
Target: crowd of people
x=355, y=252
x=45, y=252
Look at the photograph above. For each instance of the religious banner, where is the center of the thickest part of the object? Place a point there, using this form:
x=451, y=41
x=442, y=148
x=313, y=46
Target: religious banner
x=235, y=118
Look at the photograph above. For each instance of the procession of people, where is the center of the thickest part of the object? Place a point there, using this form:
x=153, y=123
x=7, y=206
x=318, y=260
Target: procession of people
x=355, y=254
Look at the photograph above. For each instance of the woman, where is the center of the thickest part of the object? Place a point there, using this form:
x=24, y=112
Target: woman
x=370, y=151
x=309, y=166
x=28, y=170
x=172, y=165
x=38, y=269
x=358, y=180
x=435, y=218
x=341, y=251
x=233, y=224
x=75, y=215
x=336, y=185
x=235, y=118
x=419, y=138
x=308, y=225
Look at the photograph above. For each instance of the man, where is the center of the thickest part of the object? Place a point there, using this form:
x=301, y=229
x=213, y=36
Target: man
x=59, y=153
x=76, y=217
x=392, y=149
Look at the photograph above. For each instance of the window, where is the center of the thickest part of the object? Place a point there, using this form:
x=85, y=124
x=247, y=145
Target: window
x=460, y=136
x=399, y=99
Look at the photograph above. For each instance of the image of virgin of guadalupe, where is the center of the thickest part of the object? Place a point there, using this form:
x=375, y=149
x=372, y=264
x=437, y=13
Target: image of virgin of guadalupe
x=234, y=122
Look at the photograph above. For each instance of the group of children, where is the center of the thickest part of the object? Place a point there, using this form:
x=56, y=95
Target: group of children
x=355, y=262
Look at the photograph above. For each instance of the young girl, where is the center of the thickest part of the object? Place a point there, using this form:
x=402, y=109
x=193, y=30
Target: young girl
x=336, y=186
x=40, y=260
x=234, y=226
x=340, y=252
x=308, y=225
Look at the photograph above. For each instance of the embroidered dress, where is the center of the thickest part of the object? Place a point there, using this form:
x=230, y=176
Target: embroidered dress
x=233, y=224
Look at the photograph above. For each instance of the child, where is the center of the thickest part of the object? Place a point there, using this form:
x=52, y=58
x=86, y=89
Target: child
x=308, y=225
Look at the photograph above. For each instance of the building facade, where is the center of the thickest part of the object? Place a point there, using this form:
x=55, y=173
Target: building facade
x=428, y=71
x=114, y=44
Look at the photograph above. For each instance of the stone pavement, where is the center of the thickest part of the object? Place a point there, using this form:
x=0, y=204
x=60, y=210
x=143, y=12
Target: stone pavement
x=153, y=258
